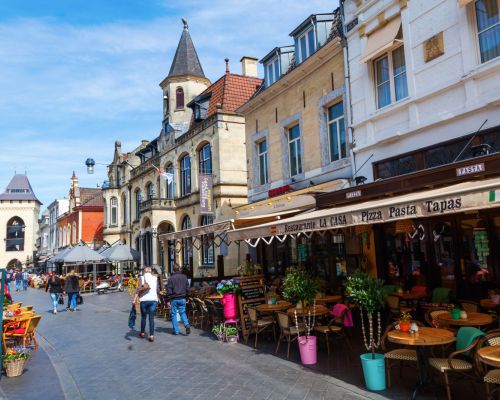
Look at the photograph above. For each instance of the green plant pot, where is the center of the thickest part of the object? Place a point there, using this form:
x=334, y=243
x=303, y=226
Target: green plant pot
x=455, y=313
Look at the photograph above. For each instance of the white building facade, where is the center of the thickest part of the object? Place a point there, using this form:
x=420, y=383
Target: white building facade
x=55, y=209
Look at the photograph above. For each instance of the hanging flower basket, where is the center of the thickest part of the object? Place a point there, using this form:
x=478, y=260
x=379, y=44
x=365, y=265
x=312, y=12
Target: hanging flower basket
x=405, y=226
x=14, y=368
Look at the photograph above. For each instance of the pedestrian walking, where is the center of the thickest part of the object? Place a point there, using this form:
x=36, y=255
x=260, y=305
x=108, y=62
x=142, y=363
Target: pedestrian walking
x=148, y=297
x=54, y=287
x=19, y=280
x=9, y=276
x=71, y=288
x=178, y=289
x=26, y=277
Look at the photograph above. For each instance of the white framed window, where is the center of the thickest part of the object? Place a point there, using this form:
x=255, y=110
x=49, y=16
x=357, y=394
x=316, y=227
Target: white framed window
x=336, y=132
x=306, y=45
x=272, y=71
x=294, y=150
x=390, y=77
x=113, y=206
x=170, y=186
x=263, y=166
x=488, y=28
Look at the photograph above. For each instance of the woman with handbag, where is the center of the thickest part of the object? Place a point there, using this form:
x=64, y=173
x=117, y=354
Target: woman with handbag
x=71, y=288
x=55, y=289
x=148, y=298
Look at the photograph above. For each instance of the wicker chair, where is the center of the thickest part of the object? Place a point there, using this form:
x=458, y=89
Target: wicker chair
x=401, y=355
x=490, y=377
x=258, y=325
x=287, y=331
x=24, y=331
x=469, y=306
x=202, y=312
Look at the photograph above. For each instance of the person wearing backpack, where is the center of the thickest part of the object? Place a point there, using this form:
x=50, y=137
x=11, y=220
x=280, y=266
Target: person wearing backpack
x=71, y=288
x=55, y=289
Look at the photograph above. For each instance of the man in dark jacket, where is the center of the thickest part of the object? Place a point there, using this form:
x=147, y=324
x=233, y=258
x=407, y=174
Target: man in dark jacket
x=71, y=288
x=178, y=288
x=19, y=280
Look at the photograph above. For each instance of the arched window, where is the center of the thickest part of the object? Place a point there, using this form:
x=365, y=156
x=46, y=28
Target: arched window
x=138, y=200
x=205, y=157
x=124, y=210
x=169, y=168
x=14, y=241
x=68, y=234
x=187, y=244
x=113, y=207
x=179, y=99
x=185, y=172
x=207, y=242
x=150, y=191
x=74, y=239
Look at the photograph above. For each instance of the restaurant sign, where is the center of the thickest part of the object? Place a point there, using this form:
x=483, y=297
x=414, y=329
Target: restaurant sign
x=206, y=194
x=470, y=169
x=360, y=216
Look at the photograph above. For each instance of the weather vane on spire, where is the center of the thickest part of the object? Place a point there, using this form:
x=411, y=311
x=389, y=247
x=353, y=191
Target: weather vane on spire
x=184, y=21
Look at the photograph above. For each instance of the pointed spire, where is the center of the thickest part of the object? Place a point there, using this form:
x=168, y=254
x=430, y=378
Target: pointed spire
x=186, y=61
x=19, y=188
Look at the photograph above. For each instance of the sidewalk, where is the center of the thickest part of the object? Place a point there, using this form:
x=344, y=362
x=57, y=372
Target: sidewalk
x=96, y=356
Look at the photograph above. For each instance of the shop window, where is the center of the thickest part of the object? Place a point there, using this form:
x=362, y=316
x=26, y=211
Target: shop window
x=295, y=150
x=205, y=156
x=396, y=167
x=207, y=242
x=113, y=206
x=390, y=77
x=476, y=251
x=263, y=169
x=187, y=243
x=444, y=253
x=336, y=132
x=488, y=28
x=185, y=175
x=14, y=240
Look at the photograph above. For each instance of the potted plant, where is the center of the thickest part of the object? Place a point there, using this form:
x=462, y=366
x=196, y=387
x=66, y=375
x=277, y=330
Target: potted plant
x=367, y=293
x=231, y=334
x=405, y=321
x=299, y=286
x=14, y=360
x=307, y=343
x=229, y=289
x=218, y=331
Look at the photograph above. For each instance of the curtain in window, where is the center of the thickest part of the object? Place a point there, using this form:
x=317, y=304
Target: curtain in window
x=488, y=26
x=399, y=65
x=383, y=82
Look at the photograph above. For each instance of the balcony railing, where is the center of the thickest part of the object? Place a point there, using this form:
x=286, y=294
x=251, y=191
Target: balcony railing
x=158, y=204
x=146, y=166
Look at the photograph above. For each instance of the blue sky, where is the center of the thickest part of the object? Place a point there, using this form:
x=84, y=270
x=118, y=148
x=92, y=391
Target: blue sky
x=76, y=75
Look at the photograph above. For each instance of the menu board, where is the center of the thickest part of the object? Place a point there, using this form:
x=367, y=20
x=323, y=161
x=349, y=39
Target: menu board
x=252, y=294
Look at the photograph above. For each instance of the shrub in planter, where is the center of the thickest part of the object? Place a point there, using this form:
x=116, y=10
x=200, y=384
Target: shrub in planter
x=368, y=294
x=300, y=286
x=218, y=331
x=231, y=334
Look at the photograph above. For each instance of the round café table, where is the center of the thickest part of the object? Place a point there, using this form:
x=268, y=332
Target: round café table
x=473, y=319
x=488, y=303
x=330, y=299
x=423, y=338
x=270, y=308
x=490, y=355
x=316, y=311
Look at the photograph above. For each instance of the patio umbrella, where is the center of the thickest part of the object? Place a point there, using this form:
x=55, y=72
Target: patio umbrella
x=59, y=256
x=82, y=254
x=121, y=252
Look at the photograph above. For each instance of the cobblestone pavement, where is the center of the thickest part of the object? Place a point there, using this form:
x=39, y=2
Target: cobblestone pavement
x=94, y=355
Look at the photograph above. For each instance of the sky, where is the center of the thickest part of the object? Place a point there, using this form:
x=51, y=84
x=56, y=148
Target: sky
x=76, y=75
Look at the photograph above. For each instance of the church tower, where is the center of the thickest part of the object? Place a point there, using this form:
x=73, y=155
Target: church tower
x=184, y=82
x=19, y=209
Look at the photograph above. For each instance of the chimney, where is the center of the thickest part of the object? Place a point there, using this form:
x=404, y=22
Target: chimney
x=249, y=66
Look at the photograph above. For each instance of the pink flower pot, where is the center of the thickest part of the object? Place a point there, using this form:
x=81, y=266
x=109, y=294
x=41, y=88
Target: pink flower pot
x=307, y=348
x=230, y=309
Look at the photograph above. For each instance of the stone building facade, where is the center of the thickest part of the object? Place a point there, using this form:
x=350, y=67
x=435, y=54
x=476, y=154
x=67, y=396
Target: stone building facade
x=19, y=209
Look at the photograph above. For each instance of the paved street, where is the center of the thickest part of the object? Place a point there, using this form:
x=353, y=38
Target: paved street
x=91, y=354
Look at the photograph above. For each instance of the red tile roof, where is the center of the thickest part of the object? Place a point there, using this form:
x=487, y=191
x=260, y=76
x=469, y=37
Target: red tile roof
x=90, y=197
x=231, y=91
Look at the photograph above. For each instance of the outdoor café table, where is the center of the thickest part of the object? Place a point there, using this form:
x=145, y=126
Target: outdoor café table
x=488, y=303
x=490, y=355
x=473, y=319
x=317, y=311
x=269, y=308
x=328, y=299
x=421, y=339
x=216, y=297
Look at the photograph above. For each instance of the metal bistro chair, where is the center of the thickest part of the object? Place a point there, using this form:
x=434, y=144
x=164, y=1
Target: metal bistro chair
x=490, y=376
x=259, y=325
x=335, y=328
x=287, y=331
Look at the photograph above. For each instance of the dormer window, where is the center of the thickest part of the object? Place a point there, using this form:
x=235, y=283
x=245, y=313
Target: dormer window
x=200, y=111
x=306, y=45
x=272, y=73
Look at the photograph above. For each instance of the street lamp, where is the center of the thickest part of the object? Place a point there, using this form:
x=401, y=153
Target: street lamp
x=90, y=165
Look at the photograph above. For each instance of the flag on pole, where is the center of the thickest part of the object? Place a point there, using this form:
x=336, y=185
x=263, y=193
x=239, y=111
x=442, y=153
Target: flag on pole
x=165, y=175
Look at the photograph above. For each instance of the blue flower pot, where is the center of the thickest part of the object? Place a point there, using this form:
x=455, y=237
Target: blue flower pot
x=374, y=371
